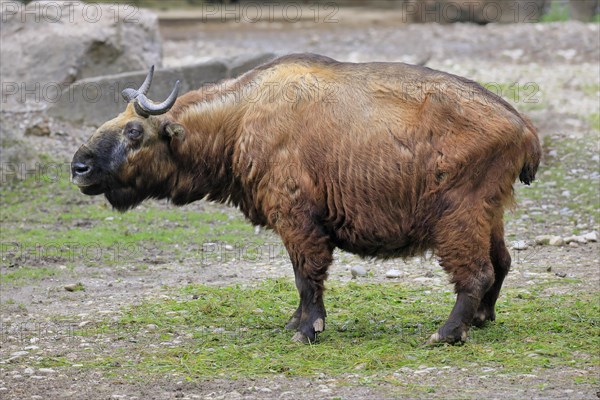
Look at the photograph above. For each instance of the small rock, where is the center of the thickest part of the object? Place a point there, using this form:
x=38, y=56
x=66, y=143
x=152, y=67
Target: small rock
x=576, y=239
x=151, y=327
x=561, y=274
x=393, y=273
x=228, y=247
x=84, y=323
x=28, y=371
x=520, y=245
x=46, y=371
x=39, y=129
x=591, y=236
x=556, y=241
x=358, y=270
x=74, y=287
x=573, y=244
x=543, y=239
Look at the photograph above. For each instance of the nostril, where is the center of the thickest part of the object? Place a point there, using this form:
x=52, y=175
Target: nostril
x=80, y=169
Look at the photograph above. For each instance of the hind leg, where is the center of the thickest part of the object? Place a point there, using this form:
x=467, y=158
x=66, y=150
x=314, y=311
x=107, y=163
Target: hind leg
x=464, y=249
x=501, y=261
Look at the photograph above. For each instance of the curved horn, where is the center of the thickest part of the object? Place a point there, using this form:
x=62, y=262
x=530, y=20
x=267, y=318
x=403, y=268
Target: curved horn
x=131, y=94
x=147, y=82
x=146, y=107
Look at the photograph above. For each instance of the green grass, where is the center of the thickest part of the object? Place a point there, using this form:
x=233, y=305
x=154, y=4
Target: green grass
x=372, y=328
x=559, y=12
x=48, y=222
x=594, y=121
x=23, y=275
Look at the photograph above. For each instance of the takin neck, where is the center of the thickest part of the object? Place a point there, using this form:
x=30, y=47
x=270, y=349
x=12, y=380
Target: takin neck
x=204, y=156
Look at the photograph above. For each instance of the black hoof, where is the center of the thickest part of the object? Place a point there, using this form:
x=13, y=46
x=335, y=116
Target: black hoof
x=308, y=333
x=449, y=333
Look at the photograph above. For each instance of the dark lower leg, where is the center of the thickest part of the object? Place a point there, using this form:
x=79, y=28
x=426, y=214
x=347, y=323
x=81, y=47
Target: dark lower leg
x=294, y=320
x=311, y=256
x=501, y=261
x=456, y=327
x=312, y=319
x=469, y=294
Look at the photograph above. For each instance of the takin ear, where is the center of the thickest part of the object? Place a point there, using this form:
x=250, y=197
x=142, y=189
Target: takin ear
x=172, y=130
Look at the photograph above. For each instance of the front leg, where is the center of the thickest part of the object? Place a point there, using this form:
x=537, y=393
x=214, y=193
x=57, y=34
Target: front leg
x=312, y=315
x=311, y=254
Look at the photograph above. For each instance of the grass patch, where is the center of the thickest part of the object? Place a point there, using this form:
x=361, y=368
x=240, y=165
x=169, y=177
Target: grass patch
x=237, y=332
x=47, y=222
x=594, y=121
x=22, y=275
x=558, y=12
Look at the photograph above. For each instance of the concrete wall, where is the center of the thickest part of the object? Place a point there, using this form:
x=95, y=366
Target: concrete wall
x=96, y=100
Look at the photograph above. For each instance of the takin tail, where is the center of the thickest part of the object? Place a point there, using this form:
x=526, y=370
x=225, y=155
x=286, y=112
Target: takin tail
x=533, y=154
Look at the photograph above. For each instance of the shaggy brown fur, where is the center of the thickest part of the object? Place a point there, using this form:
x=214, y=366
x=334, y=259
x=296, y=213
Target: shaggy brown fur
x=378, y=159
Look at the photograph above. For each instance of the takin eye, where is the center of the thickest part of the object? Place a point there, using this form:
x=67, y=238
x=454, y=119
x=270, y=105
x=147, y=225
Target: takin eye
x=134, y=132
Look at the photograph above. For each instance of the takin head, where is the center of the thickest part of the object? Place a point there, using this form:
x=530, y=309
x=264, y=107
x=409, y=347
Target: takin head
x=129, y=158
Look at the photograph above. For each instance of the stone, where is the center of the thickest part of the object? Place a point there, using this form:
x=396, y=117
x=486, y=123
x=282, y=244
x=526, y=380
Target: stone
x=79, y=41
x=358, y=270
x=94, y=101
x=543, y=239
x=556, y=241
x=39, y=129
x=591, y=236
x=575, y=239
x=46, y=371
x=393, y=273
x=520, y=245
x=74, y=287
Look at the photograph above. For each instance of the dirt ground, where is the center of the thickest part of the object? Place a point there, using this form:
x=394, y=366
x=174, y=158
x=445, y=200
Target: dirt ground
x=559, y=58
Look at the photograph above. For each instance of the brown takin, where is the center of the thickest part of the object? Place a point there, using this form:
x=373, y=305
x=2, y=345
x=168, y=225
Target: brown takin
x=378, y=159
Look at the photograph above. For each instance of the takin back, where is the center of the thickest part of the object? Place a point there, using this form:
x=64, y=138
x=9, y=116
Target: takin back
x=378, y=159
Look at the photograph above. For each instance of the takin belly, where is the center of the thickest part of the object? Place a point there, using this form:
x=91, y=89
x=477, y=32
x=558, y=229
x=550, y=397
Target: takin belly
x=380, y=233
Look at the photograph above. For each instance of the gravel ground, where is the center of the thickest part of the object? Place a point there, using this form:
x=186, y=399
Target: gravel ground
x=560, y=59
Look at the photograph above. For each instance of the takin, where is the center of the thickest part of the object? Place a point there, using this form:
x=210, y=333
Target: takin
x=377, y=159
